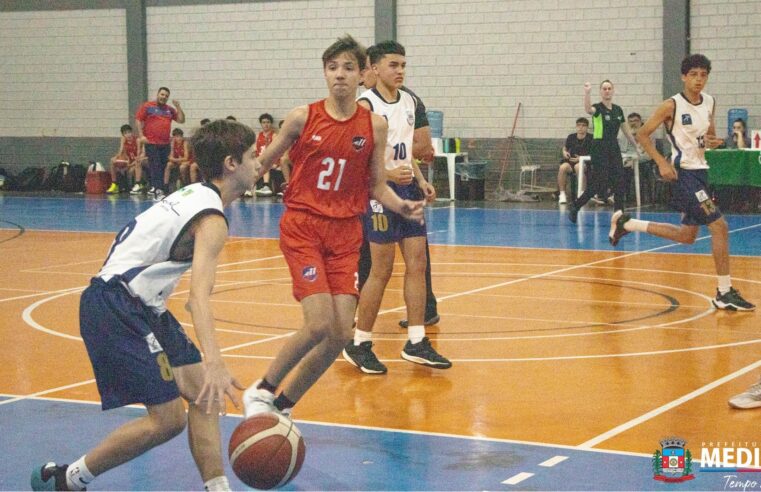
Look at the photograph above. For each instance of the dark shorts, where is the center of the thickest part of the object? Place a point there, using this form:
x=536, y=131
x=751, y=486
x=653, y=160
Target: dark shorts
x=132, y=349
x=691, y=197
x=384, y=226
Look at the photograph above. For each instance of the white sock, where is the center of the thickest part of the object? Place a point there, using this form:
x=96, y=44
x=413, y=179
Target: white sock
x=78, y=475
x=636, y=225
x=416, y=333
x=725, y=283
x=217, y=484
x=362, y=336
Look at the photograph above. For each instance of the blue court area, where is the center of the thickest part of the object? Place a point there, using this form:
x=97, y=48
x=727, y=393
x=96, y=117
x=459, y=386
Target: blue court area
x=338, y=458
x=540, y=225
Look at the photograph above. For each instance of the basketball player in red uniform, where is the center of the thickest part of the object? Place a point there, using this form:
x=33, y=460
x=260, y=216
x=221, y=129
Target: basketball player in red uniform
x=337, y=149
x=128, y=159
x=178, y=157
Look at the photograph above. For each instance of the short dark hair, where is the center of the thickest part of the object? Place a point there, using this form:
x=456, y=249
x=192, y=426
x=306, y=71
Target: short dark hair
x=213, y=142
x=177, y=131
x=125, y=128
x=582, y=120
x=695, y=61
x=740, y=120
x=378, y=51
x=266, y=116
x=231, y=118
x=204, y=121
x=346, y=44
x=634, y=115
x=163, y=89
x=280, y=123
x=608, y=81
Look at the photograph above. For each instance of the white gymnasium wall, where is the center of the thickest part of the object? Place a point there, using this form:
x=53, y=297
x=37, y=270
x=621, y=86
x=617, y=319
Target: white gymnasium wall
x=476, y=60
x=729, y=34
x=247, y=59
x=63, y=73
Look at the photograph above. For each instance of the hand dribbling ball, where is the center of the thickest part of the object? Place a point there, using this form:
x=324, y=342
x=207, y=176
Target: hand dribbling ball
x=266, y=450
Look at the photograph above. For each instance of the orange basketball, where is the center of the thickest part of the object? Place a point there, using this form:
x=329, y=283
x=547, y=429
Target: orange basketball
x=266, y=451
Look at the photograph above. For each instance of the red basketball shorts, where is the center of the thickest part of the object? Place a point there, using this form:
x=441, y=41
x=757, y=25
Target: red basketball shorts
x=322, y=253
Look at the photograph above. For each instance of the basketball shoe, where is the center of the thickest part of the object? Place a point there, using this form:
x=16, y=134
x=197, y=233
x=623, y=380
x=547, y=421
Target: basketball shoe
x=362, y=357
x=617, y=230
x=257, y=400
x=750, y=399
x=423, y=353
x=429, y=320
x=732, y=301
x=49, y=477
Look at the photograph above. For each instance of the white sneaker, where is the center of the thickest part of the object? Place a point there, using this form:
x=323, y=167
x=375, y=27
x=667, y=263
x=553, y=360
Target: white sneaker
x=136, y=190
x=248, y=194
x=562, y=200
x=611, y=200
x=151, y=190
x=158, y=195
x=750, y=399
x=258, y=401
x=597, y=200
x=264, y=191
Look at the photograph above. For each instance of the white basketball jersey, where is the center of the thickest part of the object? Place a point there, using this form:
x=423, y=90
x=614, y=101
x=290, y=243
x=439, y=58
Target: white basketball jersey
x=144, y=253
x=400, y=116
x=690, y=125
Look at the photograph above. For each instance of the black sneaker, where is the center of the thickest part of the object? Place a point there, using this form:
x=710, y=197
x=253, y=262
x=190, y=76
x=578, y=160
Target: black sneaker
x=362, y=356
x=432, y=320
x=573, y=212
x=49, y=477
x=732, y=301
x=617, y=230
x=423, y=353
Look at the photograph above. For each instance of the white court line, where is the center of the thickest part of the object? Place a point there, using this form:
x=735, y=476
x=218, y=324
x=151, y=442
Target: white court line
x=664, y=408
x=516, y=479
x=45, y=269
x=553, y=461
x=384, y=429
x=73, y=289
x=45, y=392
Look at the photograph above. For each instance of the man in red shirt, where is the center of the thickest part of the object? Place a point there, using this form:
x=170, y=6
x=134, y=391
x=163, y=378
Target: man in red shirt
x=154, y=122
x=337, y=149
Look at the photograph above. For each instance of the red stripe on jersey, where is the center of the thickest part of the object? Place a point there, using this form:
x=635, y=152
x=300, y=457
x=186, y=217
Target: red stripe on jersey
x=331, y=164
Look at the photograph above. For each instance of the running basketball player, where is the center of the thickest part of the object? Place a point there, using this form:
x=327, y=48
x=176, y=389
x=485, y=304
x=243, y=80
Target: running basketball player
x=139, y=351
x=384, y=229
x=336, y=147
x=689, y=121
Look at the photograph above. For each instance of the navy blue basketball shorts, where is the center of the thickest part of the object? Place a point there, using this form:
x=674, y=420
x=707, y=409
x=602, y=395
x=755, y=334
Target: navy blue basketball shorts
x=132, y=349
x=384, y=226
x=691, y=197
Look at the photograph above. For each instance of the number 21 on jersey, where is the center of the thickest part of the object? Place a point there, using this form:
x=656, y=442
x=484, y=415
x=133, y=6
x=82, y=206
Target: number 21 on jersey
x=329, y=178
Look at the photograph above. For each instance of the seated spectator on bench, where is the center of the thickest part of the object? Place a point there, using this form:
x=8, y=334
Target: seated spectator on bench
x=738, y=139
x=128, y=160
x=576, y=144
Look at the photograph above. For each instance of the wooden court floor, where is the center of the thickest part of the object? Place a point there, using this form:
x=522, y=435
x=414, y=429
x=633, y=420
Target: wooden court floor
x=594, y=349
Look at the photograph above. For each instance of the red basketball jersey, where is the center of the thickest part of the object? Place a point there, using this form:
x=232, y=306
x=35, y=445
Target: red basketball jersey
x=178, y=148
x=130, y=147
x=331, y=164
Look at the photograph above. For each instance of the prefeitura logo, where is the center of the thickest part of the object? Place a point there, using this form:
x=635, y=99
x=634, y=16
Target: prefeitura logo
x=672, y=463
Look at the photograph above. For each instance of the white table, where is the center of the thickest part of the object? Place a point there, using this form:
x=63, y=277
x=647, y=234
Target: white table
x=584, y=159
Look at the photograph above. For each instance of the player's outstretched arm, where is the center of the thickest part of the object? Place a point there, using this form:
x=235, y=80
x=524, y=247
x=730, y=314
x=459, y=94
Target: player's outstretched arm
x=210, y=234
x=285, y=138
x=662, y=115
x=379, y=190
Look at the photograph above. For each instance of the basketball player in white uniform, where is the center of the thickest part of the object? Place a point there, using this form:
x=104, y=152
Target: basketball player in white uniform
x=139, y=351
x=689, y=121
x=384, y=229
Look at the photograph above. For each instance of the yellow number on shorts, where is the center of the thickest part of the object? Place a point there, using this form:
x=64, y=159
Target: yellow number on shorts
x=380, y=222
x=166, y=370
